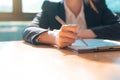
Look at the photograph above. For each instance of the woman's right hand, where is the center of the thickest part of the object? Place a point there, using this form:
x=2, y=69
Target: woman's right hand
x=61, y=38
x=66, y=35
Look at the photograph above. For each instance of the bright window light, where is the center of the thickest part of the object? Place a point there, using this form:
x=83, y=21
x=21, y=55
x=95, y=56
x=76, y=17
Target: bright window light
x=6, y=5
x=33, y=6
x=114, y=5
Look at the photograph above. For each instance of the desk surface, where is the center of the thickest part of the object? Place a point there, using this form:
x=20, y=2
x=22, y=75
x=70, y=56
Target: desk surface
x=22, y=61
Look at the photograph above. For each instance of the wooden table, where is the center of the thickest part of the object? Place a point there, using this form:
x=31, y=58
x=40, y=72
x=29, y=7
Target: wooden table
x=22, y=61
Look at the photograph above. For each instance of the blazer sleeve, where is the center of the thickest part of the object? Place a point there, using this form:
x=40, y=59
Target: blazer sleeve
x=39, y=25
x=110, y=27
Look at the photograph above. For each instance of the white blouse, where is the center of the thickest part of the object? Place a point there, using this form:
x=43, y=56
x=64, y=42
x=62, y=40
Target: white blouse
x=72, y=19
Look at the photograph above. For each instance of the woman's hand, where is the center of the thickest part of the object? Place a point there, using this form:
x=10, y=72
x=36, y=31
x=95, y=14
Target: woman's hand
x=61, y=38
x=66, y=35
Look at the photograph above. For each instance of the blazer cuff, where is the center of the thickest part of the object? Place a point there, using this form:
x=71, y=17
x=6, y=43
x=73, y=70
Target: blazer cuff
x=31, y=33
x=34, y=41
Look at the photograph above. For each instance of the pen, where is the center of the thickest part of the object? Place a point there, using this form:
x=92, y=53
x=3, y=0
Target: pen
x=59, y=20
x=62, y=22
x=83, y=41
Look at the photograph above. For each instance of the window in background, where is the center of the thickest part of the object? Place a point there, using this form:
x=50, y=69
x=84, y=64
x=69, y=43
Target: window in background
x=6, y=6
x=114, y=5
x=54, y=0
x=19, y=10
x=34, y=5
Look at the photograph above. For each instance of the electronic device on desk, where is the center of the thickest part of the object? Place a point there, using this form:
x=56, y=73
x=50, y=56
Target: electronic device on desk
x=95, y=45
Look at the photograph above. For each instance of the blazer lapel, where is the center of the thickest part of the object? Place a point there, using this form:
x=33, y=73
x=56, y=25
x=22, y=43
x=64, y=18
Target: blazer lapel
x=61, y=12
x=91, y=16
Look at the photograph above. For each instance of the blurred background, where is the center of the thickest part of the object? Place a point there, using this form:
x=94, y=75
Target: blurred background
x=15, y=15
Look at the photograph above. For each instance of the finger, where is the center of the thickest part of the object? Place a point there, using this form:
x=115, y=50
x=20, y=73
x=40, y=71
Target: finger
x=68, y=35
x=63, y=45
x=66, y=40
x=73, y=29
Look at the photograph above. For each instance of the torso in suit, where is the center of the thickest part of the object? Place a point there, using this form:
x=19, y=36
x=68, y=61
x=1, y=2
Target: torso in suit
x=104, y=24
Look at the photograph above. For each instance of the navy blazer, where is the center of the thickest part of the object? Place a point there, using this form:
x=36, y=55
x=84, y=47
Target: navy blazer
x=105, y=24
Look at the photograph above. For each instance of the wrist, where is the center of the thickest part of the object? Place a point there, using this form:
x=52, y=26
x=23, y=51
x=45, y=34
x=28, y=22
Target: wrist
x=46, y=37
x=52, y=37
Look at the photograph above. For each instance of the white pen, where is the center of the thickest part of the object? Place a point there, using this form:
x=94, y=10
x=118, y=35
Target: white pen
x=59, y=20
x=62, y=22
